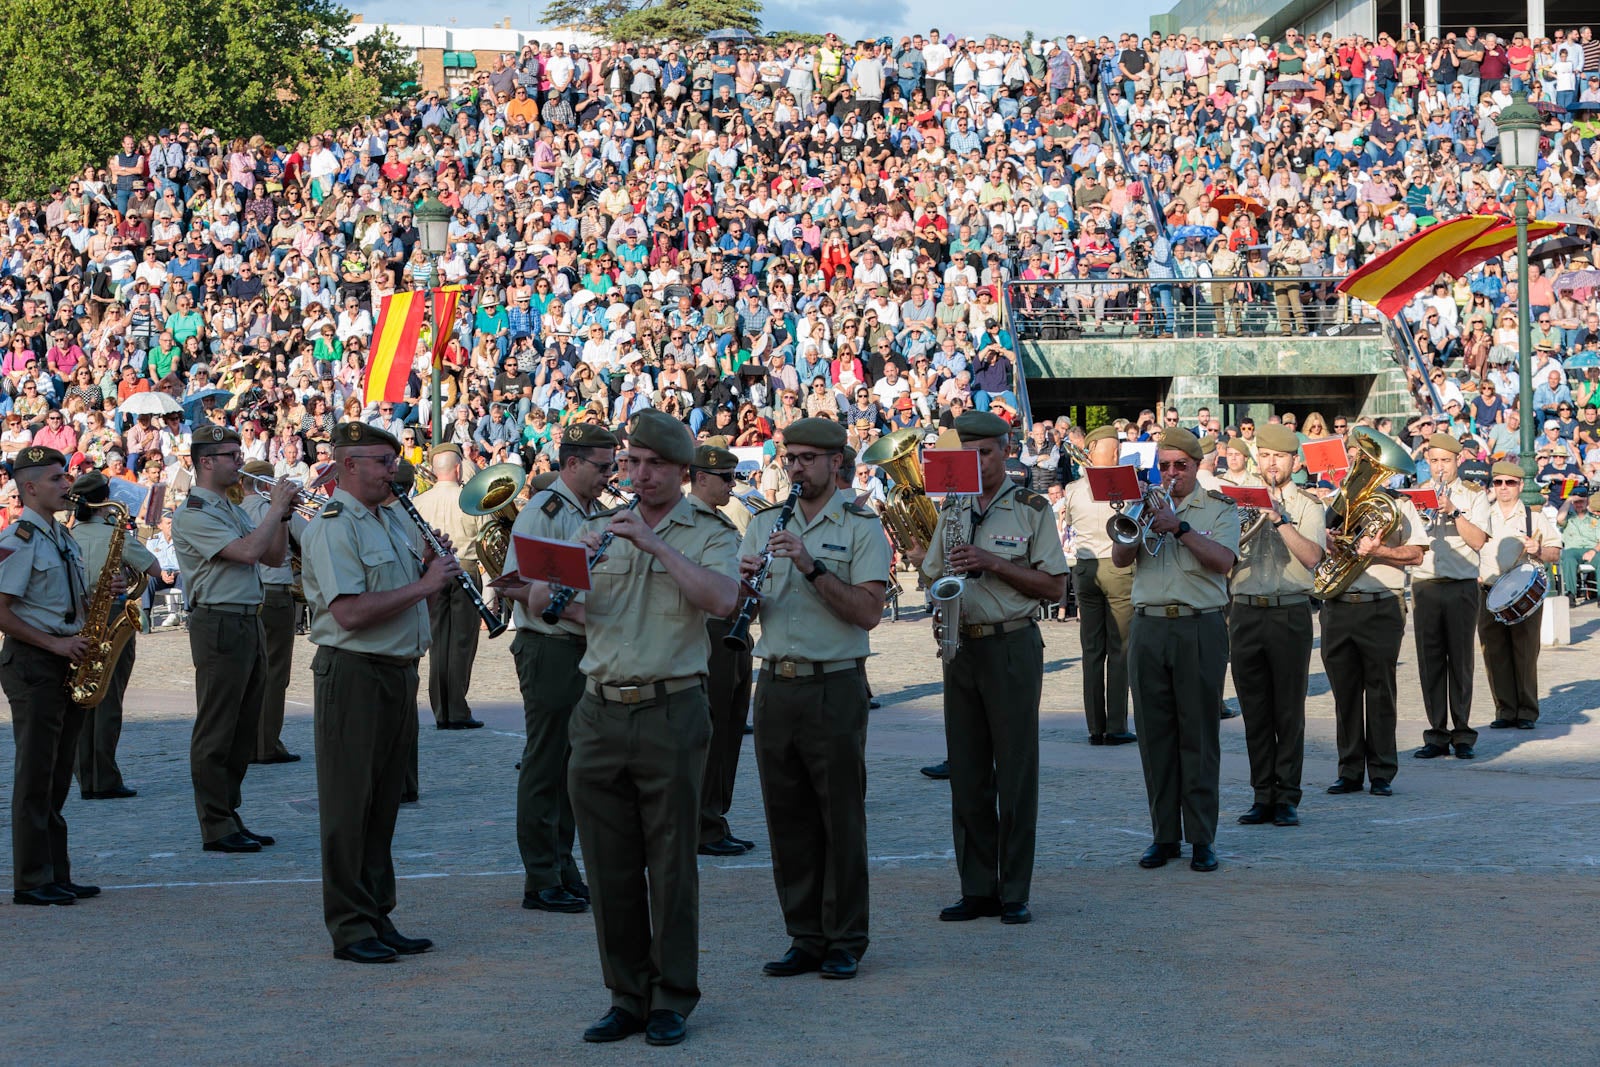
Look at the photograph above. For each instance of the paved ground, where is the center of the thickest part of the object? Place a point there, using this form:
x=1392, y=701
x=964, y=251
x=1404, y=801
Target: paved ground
x=1452, y=923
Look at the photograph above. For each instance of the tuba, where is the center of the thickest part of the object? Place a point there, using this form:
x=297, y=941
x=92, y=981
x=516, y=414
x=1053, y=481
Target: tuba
x=944, y=595
x=493, y=492
x=908, y=513
x=1362, y=508
x=107, y=630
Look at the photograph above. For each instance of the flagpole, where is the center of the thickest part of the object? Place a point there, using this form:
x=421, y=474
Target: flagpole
x=436, y=378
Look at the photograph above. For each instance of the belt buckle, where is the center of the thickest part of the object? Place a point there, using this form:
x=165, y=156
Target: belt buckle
x=628, y=694
x=1173, y=611
x=972, y=632
x=1261, y=601
x=785, y=669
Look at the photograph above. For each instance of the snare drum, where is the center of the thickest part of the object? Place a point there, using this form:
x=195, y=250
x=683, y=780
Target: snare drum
x=1517, y=594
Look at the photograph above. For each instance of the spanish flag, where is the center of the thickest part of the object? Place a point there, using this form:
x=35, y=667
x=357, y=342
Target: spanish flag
x=444, y=319
x=1390, y=281
x=394, y=347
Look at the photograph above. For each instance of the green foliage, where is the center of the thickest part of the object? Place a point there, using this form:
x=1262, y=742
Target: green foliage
x=382, y=57
x=584, y=12
x=1096, y=416
x=82, y=73
x=777, y=37
x=686, y=19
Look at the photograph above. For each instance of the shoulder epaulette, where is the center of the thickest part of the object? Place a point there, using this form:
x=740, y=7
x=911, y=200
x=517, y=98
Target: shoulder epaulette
x=333, y=510
x=1036, y=501
x=1224, y=497
x=25, y=530
x=194, y=502
x=858, y=509
x=720, y=517
x=551, y=506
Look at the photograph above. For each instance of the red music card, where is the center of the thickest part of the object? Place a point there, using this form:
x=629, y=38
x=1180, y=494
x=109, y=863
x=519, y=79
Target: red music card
x=1325, y=455
x=1248, y=496
x=1114, y=485
x=1423, y=499
x=556, y=562
x=1335, y=478
x=951, y=472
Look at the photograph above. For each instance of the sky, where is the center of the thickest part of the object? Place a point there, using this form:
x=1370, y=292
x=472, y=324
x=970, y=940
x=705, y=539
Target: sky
x=1008, y=18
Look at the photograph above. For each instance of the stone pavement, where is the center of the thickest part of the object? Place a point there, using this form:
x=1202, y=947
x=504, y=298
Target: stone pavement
x=1452, y=922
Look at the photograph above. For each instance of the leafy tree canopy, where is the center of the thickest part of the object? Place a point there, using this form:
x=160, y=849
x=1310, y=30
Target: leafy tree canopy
x=656, y=20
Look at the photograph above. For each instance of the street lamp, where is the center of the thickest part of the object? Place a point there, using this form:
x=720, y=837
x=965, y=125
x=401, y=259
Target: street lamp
x=1519, y=151
x=433, y=227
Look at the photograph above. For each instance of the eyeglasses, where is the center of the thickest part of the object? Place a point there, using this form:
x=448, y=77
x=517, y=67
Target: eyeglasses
x=1175, y=465
x=804, y=459
x=606, y=468
x=1508, y=481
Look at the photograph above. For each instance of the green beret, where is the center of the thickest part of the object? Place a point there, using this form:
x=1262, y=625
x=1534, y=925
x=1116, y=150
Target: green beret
x=709, y=457
x=719, y=441
x=1278, y=438
x=589, y=435
x=1446, y=442
x=211, y=435
x=1503, y=469
x=1181, y=440
x=1241, y=446
x=91, y=484
x=36, y=456
x=259, y=467
x=449, y=448
x=663, y=435
x=980, y=426
x=405, y=475
x=1101, y=433
x=818, y=433
x=352, y=434
x=1208, y=444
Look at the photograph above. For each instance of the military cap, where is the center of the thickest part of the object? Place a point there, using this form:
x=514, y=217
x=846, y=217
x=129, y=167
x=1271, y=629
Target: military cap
x=1208, y=445
x=1505, y=469
x=1581, y=489
x=1181, y=440
x=709, y=457
x=719, y=441
x=91, y=483
x=980, y=426
x=663, y=435
x=819, y=433
x=260, y=468
x=1101, y=433
x=1241, y=446
x=589, y=435
x=448, y=448
x=209, y=437
x=36, y=456
x=1276, y=437
x=1446, y=442
x=353, y=434
x=1473, y=470
x=405, y=475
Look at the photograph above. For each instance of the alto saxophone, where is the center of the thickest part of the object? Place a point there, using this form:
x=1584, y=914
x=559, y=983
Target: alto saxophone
x=945, y=593
x=106, y=631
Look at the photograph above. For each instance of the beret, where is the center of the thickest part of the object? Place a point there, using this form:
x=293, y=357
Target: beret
x=211, y=435
x=1446, y=442
x=1241, y=446
x=89, y=483
x=37, y=456
x=1181, y=440
x=1503, y=469
x=405, y=475
x=980, y=425
x=663, y=435
x=589, y=435
x=353, y=434
x=448, y=448
x=1276, y=437
x=1208, y=445
x=819, y=433
x=259, y=467
x=709, y=457
x=1101, y=433
x=719, y=441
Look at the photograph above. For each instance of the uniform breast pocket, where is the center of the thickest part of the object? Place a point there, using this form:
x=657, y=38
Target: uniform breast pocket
x=1012, y=548
x=837, y=558
x=377, y=564
x=606, y=579
x=665, y=596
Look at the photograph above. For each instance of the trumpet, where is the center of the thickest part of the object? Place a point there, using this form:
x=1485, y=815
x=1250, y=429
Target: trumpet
x=308, y=504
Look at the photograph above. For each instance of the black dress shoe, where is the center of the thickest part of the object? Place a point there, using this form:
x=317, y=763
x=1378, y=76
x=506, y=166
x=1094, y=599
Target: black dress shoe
x=725, y=847
x=1097, y=739
x=44, y=895
x=467, y=724
x=235, y=842
x=556, y=899
x=838, y=964
x=577, y=889
x=1258, y=814
x=121, y=792
x=1524, y=724
x=1159, y=853
x=1345, y=785
x=665, y=1028
x=1381, y=788
x=1430, y=751
x=367, y=950
x=1465, y=752
x=939, y=772
x=1501, y=724
x=406, y=946
x=1015, y=913
x=614, y=1025
x=82, y=892
x=280, y=757
x=1205, y=859
x=409, y=798
x=873, y=704
x=748, y=846
x=1285, y=815
x=264, y=840
x=968, y=908
x=1123, y=738
x=795, y=961
x=1228, y=713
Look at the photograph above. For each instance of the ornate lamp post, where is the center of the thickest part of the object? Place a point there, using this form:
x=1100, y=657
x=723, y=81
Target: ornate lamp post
x=1519, y=150
x=433, y=227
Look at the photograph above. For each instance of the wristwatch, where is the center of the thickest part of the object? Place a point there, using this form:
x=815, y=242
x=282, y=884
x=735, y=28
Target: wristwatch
x=816, y=571
x=1183, y=528
x=1283, y=521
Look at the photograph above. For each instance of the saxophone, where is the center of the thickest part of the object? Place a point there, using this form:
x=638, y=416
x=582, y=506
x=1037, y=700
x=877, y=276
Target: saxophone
x=944, y=595
x=107, y=632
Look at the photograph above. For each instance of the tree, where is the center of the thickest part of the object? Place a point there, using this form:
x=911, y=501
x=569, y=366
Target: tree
x=685, y=19
x=79, y=74
x=584, y=12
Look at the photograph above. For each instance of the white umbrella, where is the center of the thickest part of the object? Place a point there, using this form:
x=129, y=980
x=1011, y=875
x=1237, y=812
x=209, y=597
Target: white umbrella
x=151, y=403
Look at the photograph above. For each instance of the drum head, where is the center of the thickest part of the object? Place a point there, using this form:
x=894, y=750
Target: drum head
x=1512, y=586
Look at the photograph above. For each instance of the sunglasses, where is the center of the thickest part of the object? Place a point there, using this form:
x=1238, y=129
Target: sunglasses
x=1508, y=481
x=1175, y=465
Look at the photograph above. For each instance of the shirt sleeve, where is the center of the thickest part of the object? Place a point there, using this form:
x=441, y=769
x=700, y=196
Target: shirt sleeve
x=720, y=550
x=205, y=531
x=17, y=568
x=332, y=556
x=871, y=557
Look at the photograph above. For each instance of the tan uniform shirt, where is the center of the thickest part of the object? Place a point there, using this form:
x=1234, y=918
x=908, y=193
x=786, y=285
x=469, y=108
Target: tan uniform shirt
x=554, y=514
x=1503, y=551
x=1208, y=479
x=350, y=549
x=1386, y=577
x=1088, y=518
x=256, y=507
x=1020, y=528
x=94, y=538
x=1448, y=556
x=201, y=529
x=1266, y=566
x=641, y=627
x=796, y=623
x=1175, y=575
x=441, y=506
x=44, y=572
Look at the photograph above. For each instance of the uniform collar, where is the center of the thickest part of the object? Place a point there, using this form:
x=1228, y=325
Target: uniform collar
x=207, y=496
x=1001, y=499
x=682, y=512
x=352, y=506
x=42, y=522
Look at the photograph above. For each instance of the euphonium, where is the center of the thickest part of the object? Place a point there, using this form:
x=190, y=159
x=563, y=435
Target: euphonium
x=107, y=633
x=907, y=511
x=944, y=595
x=1131, y=524
x=493, y=492
x=1365, y=508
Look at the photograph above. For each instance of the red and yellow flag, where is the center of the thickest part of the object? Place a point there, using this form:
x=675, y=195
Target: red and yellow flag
x=394, y=347
x=445, y=301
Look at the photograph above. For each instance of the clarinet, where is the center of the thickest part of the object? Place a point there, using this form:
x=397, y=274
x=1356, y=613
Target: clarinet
x=738, y=637
x=497, y=625
x=561, y=596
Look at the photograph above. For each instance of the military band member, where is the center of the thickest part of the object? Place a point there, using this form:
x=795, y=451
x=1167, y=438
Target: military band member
x=1178, y=653
x=99, y=777
x=218, y=549
x=405, y=479
x=824, y=591
x=728, y=674
x=1241, y=464
x=1011, y=554
x=640, y=732
x=1444, y=597
x=368, y=580
x=547, y=657
x=1209, y=455
x=1362, y=629
x=1269, y=631
x=44, y=593
x=278, y=615
x=1105, y=604
x=456, y=623
x=1516, y=532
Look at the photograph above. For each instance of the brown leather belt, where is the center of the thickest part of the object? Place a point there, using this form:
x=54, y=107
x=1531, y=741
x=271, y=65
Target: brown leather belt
x=993, y=629
x=644, y=692
x=806, y=668
x=1281, y=600
x=1174, y=611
